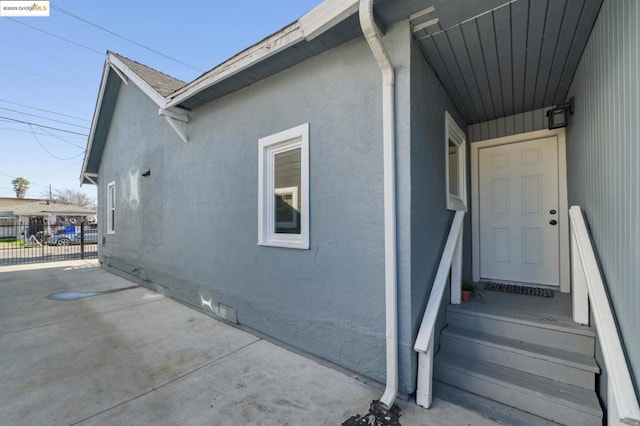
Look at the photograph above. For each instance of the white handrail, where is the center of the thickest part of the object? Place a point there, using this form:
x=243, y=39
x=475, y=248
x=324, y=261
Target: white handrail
x=589, y=290
x=451, y=260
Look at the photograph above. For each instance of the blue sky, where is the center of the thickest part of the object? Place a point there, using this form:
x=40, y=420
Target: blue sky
x=39, y=70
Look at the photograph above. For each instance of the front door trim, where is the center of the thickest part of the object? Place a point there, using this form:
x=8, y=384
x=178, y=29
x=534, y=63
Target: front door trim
x=563, y=213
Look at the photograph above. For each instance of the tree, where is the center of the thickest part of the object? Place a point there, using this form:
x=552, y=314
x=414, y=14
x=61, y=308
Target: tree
x=21, y=186
x=72, y=196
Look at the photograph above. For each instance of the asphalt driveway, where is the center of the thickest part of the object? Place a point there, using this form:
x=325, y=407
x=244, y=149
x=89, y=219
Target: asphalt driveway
x=135, y=357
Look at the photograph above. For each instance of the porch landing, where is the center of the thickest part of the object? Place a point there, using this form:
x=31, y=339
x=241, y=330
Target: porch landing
x=549, y=312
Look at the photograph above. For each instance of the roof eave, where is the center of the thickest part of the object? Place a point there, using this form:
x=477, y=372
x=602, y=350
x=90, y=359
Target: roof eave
x=121, y=69
x=323, y=17
x=94, y=121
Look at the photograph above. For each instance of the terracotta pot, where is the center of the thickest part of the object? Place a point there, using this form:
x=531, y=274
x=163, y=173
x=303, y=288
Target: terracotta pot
x=466, y=295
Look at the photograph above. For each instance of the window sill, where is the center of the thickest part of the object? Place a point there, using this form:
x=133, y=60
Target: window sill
x=300, y=245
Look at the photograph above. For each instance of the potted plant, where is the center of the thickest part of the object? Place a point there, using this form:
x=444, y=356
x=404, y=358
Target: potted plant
x=468, y=290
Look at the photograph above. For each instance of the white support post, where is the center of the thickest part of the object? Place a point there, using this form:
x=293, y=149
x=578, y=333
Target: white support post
x=456, y=270
x=424, y=392
x=579, y=293
x=450, y=267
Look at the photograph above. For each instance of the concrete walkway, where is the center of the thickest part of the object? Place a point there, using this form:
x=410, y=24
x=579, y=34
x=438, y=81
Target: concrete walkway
x=134, y=357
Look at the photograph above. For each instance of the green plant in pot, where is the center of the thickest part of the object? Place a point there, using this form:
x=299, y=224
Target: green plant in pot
x=469, y=289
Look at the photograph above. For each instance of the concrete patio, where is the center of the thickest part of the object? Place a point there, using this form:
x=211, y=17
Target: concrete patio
x=136, y=357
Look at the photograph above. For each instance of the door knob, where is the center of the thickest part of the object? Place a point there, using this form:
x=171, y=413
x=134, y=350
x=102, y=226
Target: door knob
x=552, y=212
x=553, y=222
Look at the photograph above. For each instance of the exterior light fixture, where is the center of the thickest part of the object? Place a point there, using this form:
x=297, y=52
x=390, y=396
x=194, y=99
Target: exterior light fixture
x=559, y=116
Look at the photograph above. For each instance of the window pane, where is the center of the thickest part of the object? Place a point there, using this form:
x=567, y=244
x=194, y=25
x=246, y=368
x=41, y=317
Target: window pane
x=287, y=177
x=454, y=171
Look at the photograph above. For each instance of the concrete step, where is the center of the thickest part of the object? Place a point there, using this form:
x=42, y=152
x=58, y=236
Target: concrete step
x=485, y=407
x=564, y=366
x=571, y=338
x=540, y=396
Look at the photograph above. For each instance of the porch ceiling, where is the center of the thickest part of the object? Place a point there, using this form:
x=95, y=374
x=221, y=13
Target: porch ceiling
x=497, y=58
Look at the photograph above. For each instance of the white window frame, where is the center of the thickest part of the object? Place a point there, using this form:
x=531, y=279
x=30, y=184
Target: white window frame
x=268, y=147
x=454, y=134
x=111, y=226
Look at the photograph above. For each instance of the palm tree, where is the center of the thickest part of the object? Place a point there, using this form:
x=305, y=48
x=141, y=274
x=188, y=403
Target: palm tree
x=21, y=186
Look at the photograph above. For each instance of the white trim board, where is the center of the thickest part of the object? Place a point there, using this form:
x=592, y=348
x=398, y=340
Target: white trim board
x=454, y=134
x=563, y=205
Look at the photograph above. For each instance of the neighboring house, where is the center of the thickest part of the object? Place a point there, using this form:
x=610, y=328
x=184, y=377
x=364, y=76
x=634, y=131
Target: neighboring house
x=24, y=219
x=7, y=219
x=295, y=191
x=12, y=201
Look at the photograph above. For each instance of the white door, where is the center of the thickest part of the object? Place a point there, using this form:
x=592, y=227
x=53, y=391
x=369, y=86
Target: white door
x=518, y=196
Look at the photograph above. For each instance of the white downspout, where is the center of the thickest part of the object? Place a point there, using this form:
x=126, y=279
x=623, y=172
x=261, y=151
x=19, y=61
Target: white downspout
x=372, y=34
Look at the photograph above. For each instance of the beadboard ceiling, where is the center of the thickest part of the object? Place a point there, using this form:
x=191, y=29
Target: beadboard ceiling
x=499, y=58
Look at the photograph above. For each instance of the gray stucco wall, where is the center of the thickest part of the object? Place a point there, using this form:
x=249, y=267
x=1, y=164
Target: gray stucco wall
x=430, y=219
x=603, y=156
x=191, y=231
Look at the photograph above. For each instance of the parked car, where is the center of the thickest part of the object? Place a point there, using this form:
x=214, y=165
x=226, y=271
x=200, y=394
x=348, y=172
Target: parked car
x=62, y=238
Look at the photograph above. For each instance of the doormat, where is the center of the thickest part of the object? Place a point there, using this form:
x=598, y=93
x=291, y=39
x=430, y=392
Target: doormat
x=519, y=289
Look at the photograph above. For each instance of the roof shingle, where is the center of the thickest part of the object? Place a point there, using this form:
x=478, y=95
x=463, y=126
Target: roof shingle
x=43, y=208
x=162, y=83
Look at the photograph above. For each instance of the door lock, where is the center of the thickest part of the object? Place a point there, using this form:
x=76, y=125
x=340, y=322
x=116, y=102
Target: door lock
x=552, y=212
x=553, y=222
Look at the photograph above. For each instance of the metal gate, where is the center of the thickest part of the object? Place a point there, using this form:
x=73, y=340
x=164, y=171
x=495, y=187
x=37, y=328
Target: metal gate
x=36, y=242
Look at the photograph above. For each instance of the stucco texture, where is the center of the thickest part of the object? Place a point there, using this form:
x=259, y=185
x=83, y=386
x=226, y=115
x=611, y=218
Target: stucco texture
x=430, y=219
x=190, y=228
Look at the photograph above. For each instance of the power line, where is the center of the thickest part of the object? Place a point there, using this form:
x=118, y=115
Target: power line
x=31, y=183
x=124, y=38
x=27, y=131
x=46, y=118
x=46, y=133
x=22, y=46
x=42, y=126
x=63, y=139
x=45, y=110
x=49, y=152
x=42, y=75
x=57, y=36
